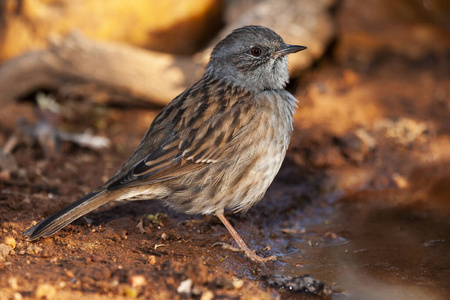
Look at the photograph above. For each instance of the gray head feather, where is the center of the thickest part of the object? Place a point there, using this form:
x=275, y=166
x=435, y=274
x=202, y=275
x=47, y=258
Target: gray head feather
x=232, y=60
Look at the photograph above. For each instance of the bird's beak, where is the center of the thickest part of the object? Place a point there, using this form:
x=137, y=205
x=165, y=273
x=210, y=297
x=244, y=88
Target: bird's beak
x=288, y=49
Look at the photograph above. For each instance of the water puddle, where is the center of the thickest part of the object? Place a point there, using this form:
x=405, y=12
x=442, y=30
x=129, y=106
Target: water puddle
x=376, y=245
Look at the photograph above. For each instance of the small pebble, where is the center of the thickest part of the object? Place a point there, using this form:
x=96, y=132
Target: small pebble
x=4, y=251
x=238, y=283
x=185, y=287
x=208, y=295
x=131, y=292
x=10, y=241
x=196, y=291
x=115, y=282
x=69, y=274
x=12, y=281
x=33, y=249
x=45, y=291
x=151, y=259
x=17, y=296
x=330, y=235
x=137, y=280
x=229, y=284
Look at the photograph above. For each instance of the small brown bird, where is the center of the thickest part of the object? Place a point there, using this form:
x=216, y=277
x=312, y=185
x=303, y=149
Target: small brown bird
x=216, y=146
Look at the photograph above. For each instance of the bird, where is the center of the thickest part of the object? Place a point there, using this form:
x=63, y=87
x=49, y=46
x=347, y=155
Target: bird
x=216, y=147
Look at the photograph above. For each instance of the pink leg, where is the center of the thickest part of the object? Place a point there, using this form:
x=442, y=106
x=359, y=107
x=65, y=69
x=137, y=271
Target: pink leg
x=242, y=245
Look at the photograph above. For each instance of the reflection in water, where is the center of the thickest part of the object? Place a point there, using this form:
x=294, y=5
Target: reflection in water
x=377, y=247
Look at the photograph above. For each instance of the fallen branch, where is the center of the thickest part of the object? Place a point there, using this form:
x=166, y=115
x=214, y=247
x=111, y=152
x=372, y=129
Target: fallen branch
x=108, y=72
x=102, y=71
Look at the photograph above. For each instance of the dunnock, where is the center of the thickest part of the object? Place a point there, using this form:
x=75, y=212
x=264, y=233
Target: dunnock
x=216, y=146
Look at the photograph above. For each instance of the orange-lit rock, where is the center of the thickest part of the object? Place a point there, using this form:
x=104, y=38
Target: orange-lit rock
x=171, y=26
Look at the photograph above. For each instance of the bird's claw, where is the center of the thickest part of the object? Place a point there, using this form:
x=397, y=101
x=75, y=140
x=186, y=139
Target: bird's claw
x=251, y=254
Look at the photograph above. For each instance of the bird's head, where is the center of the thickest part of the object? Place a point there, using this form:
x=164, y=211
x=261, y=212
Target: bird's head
x=253, y=57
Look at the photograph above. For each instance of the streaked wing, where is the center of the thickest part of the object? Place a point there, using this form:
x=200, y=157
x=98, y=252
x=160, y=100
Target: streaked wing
x=199, y=127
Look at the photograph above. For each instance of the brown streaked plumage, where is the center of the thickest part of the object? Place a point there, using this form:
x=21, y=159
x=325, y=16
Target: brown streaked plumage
x=216, y=146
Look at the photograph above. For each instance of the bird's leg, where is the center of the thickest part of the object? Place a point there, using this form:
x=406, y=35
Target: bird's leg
x=242, y=245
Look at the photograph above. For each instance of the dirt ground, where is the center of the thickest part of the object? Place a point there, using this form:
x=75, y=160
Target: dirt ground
x=101, y=255
x=363, y=126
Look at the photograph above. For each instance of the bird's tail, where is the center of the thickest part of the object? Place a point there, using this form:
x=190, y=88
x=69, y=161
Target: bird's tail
x=68, y=214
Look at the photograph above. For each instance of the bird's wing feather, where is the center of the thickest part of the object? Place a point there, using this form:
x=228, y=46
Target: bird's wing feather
x=193, y=143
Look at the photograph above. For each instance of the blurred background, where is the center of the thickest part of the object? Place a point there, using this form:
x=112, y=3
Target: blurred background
x=364, y=194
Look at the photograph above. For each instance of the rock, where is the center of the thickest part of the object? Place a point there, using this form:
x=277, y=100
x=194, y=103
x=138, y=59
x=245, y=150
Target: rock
x=131, y=292
x=4, y=251
x=12, y=281
x=10, y=241
x=207, y=295
x=238, y=283
x=159, y=76
x=185, y=287
x=17, y=296
x=69, y=274
x=151, y=259
x=171, y=26
x=137, y=281
x=229, y=283
x=301, y=22
x=33, y=249
x=305, y=284
x=45, y=291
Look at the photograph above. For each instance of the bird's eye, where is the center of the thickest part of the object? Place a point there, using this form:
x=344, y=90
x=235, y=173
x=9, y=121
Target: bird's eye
x=256, y=51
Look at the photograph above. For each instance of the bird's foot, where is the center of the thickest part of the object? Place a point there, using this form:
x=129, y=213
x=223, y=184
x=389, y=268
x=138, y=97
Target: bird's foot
x=251, y=254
